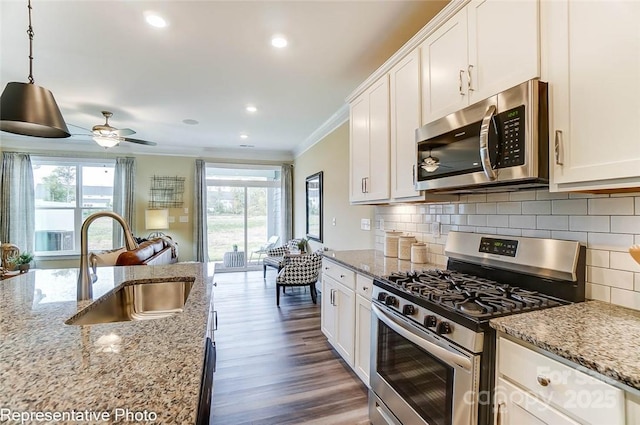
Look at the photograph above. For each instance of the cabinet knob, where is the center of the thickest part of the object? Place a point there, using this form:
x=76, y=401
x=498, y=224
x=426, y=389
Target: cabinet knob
x=543, y=381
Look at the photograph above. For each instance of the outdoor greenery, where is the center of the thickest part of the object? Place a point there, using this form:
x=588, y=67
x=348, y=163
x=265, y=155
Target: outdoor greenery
x=61, y=185
x=227, y=230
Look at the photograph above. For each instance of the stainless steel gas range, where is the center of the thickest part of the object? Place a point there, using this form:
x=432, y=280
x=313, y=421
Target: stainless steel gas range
x=433, y=351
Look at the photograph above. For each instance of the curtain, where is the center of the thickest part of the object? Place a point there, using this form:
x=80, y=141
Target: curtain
x=124, y=197
x=286, y=199
x=17, y=208
x=200, y=212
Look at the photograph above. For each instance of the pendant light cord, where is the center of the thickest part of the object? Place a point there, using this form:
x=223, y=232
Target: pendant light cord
x=30, y=33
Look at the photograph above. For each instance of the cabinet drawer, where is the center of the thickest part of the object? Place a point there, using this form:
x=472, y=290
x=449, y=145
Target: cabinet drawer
x=364, y=286
x=564, y=387
x=339, y=273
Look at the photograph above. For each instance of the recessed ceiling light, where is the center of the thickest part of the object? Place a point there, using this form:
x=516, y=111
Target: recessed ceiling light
x=247, y=146
x=155, y=20
x=244, y=136
x=251, y=108
x=190, y=121
x=279, y=41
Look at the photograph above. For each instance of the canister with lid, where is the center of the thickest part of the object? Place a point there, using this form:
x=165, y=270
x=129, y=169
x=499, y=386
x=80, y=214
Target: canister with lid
x=419, y=253
x=404, y=246
x=391, y=243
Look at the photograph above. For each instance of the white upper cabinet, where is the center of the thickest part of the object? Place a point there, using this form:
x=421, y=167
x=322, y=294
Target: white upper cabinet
x=405, y=119
x=369, y=146
x=485, y=48
x=591, y=54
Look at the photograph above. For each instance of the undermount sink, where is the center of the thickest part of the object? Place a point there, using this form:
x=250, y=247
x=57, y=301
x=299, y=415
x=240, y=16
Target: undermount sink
x=152, y=299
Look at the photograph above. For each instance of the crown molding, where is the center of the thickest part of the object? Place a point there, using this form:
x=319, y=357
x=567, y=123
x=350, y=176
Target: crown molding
x=336, y=120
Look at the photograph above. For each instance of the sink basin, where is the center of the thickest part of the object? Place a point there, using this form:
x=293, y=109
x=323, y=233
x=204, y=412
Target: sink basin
x=151, y=299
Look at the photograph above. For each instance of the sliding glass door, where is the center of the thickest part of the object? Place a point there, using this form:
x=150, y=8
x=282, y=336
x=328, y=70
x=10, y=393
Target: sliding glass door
x=243, y=212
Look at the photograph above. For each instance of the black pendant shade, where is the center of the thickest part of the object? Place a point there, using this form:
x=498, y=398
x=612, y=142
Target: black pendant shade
x=31, y=110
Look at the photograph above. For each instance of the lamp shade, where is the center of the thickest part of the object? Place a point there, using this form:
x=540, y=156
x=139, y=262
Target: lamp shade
x=106, y=141
x=31, y=110
x=156, y=219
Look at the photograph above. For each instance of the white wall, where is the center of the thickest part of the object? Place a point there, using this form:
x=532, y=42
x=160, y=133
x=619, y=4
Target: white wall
x=606, y=224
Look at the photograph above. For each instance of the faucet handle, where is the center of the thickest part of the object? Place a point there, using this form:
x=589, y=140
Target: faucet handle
x=93, y=262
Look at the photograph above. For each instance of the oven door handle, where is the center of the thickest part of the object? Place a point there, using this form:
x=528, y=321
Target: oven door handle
x=485, y=159
x=434, y=349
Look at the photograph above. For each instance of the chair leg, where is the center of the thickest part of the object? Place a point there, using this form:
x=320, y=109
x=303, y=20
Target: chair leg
x=314, y=294
x=278, y=295
x=264, y=271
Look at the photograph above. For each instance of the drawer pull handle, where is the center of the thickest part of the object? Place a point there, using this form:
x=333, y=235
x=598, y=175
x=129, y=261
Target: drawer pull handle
x=543, y=381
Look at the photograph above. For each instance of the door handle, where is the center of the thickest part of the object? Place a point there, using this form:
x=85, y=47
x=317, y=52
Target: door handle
x=485, y=159
x=469, y=77
x=460, y=82
x=558, y=142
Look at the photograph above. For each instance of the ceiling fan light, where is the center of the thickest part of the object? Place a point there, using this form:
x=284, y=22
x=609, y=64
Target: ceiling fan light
x=106, y=142
x=31, y=110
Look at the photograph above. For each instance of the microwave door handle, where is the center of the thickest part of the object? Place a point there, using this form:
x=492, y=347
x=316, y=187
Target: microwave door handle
x=484, y=144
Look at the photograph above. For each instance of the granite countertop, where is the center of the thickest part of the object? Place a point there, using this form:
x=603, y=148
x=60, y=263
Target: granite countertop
x=599, y=336
x=373, y=263
x=123, y=368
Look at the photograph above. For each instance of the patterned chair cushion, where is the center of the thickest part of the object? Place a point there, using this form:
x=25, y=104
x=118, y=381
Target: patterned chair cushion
x=300, y=270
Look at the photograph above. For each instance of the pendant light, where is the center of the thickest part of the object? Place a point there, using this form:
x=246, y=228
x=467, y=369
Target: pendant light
x=28, y=109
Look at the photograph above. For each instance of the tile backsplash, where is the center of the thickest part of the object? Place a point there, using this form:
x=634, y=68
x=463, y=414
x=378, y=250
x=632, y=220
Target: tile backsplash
x=607, y=224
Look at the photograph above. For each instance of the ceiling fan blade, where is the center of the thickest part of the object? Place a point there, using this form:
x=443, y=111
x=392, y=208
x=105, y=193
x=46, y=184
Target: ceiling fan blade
x=124, y=132
x=139, y=141
x=81, y=128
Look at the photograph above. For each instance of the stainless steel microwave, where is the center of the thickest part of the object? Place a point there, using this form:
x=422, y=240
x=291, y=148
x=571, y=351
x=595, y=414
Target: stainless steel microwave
x=498, y=144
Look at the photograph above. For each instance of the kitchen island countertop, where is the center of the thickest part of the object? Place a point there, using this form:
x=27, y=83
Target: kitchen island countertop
x=596, y=335
x=124, y=370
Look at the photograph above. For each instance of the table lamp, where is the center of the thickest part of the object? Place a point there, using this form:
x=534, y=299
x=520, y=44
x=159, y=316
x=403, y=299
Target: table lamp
x=156, y=219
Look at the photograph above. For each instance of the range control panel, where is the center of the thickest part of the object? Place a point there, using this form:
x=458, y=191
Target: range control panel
x=504, y=247
x=510, y=149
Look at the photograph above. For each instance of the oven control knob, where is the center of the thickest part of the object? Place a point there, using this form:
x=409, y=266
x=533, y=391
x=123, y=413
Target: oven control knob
x=443, y=328
x=408, y=310
x=392, y=301
x=430, y=321
x=382, y=296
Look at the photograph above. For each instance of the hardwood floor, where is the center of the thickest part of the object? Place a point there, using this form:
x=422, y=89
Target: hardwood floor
x=274, y=365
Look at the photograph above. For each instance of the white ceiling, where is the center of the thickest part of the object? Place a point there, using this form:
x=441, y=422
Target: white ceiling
x=212, y=60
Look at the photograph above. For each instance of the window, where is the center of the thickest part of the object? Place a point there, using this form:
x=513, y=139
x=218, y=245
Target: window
x=67, y=191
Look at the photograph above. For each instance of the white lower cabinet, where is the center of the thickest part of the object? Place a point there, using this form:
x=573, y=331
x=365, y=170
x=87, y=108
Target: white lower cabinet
x=346, y=315
x=532, y=388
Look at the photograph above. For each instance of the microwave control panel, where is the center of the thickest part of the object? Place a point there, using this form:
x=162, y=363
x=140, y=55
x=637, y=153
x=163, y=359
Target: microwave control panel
x=511, y=131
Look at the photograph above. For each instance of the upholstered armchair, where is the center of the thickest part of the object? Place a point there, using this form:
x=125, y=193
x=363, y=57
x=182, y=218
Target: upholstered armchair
x=275, y=257
x=302, y=270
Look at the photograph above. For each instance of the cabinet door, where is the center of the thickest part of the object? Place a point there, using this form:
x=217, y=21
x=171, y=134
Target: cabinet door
x=345, y=323
x=377, y=183
x=503, y=46
x=363, y=338
x=516, y=407
x=359, y=146
x=593, y=67
x=405, y=119
x=444, y=69
x=328, y=311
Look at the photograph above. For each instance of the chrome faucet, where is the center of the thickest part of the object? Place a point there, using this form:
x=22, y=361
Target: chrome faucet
x=85, y=278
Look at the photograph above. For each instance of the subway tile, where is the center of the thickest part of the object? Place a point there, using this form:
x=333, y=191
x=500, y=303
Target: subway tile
x=610, y=206
x=522, y=221
x=486, y=208
x=443, y=219
x=543, y=195
x=578, y=195
x=509, y=208
x=463, y=199
x=637, y=205
x=552, y=222
x=629, y=299
x=570, y=236
x=637, y=239
x=589, y=223
x=530, y=233
x=569, y=206
x=436, y=248
x=410, y=227
x=598, y=292
x=597, y=258
x=498, y=220
x=610, y=241
x=536, y=207
x=623, y=194
x=446, y=228
x=477, y=220
x=523, y=195
x=623, y=261
x=486, y=230
x=636, y=281
x=625, y=224
x=497, y=197
x=614, y=278
x=477, y=197
x=471, y=229
x=459, y=219
x=509, y=232
x=467, y=208
x=416, y=218
x=449, y=209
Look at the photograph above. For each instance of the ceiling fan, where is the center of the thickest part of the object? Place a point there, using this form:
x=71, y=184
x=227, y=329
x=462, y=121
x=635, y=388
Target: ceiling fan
x=107, y=136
